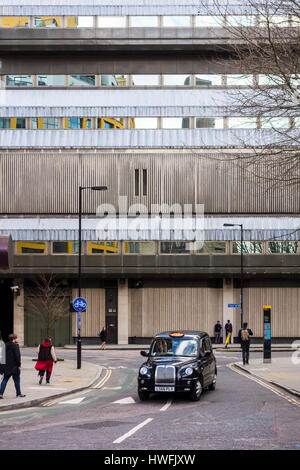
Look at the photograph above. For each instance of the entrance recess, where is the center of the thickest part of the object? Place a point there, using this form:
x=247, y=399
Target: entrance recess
x=7, y=309
x=111, y=315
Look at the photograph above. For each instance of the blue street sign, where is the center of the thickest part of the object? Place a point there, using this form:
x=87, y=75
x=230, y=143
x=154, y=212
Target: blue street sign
x=234, y=305
x=80, y=304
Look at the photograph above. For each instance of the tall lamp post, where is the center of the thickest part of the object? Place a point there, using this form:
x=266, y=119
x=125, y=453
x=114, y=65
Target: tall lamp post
x=82, y=188
x=242, y=268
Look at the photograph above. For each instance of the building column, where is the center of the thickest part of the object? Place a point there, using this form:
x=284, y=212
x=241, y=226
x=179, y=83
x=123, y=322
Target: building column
x=19, y=311
x=123, y=312
x=228, y=312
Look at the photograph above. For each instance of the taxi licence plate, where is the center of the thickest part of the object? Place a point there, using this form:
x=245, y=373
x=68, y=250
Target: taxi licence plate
x=165, y=389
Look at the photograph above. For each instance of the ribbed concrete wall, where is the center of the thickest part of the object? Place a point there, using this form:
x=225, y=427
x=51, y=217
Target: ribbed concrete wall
x=47, y=183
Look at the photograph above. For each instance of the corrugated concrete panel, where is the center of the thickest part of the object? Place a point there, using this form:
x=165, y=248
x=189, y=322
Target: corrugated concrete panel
x=93, y=319
x=285, y=317
x=154, y=310
x=47, y=183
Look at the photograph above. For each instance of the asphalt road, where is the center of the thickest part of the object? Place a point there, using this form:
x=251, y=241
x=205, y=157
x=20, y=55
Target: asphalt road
x=239, y=414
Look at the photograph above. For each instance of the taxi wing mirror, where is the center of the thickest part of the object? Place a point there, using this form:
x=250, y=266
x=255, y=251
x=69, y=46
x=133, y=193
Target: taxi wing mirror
x=144, y=353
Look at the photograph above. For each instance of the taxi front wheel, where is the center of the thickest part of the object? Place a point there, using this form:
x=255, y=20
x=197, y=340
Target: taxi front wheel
x=197, y=391
x=143, y=396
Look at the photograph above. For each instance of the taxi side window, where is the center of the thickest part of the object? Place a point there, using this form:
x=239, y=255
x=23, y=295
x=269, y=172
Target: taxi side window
x=207, y=344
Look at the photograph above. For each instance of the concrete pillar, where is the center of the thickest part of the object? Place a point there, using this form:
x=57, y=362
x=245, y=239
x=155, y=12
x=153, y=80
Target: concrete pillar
x=19, y=311
x=123, y=312
x=228, y=313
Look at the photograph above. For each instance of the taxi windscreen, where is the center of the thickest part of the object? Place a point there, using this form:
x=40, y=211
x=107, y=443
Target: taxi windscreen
x=174, y=347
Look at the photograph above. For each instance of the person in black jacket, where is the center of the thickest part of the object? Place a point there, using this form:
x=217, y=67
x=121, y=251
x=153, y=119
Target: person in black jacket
x=12, y=366
x=244, y=339
x=103, y=337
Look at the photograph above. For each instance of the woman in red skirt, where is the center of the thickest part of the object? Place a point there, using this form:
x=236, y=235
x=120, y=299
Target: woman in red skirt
x=46, y=357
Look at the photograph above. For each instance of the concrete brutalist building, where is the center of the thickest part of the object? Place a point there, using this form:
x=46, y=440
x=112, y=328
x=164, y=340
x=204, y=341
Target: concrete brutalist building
x=132, y=95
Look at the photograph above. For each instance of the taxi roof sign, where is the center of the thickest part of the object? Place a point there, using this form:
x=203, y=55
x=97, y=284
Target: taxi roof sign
x=176, y=334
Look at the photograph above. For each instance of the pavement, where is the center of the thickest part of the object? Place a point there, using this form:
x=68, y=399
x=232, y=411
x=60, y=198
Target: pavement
x=66, y=378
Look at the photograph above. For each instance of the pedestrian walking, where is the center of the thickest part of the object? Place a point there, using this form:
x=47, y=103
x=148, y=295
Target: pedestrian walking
x=46, y=357
x=244, y=339
x=103, y=337
x=217, y=331
x=228, y=330
x=12, y=367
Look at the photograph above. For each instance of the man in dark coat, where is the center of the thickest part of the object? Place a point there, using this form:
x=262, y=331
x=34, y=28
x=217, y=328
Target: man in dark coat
x=12, y=366
x=244, y=339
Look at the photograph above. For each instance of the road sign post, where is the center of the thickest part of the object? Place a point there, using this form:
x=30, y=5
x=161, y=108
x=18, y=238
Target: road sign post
x=267, y=333
x=79, y=305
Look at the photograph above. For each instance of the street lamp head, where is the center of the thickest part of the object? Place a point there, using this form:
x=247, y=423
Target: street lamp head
x=228, y=225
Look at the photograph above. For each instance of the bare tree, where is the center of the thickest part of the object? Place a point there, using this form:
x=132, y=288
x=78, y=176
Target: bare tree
x=263, y=40
x=47, y=301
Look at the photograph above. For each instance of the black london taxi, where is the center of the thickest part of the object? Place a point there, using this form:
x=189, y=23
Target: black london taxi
x=178, y=361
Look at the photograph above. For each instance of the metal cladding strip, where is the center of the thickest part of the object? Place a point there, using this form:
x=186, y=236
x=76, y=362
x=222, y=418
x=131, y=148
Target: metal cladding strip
x=128, y=7
x=142, y=138
x=255, y=228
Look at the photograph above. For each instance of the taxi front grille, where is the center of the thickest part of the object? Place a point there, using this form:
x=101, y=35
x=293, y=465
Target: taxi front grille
x=165, y=375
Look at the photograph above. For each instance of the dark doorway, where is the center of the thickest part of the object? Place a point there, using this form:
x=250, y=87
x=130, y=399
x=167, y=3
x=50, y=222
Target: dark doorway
x=111, y=315
x=7, y=309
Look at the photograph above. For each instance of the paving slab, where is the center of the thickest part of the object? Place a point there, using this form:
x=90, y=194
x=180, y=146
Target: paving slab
x=65, y=379
x=282, y=371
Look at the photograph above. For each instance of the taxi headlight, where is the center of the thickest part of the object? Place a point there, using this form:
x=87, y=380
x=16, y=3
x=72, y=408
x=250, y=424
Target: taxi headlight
x=143, y=370
x=188, y=371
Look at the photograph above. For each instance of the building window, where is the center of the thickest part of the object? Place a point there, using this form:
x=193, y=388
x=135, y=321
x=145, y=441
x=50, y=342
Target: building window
x=31, y=248
x=205, y=123
x=283, y=247
x=210, y=247
x=248, y=247
x=275, y=123
x=242, y=123
x=47, y=21
x=175, y=123
x=205, y=21
x=240, y=80
x=82, y=80
x=208, y=80
x=78, y=123
x=103, y=248
x=19, y=80
x=176, y=21
x=114, y=80
x=111, y=123
x=51, y=80
x=85, y=21
x=144, y=21
x=136, y=182
x=145, y=80
x=240, y=20
x=175, y=247
x=65, y=247
x=15, y=21
x=142, y=248
x=111, y=21
x=4, y=123
x=145, y=123
x=45, y=123
x=176, y=80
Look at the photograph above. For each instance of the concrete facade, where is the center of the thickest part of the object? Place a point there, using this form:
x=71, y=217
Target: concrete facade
x=41, y=170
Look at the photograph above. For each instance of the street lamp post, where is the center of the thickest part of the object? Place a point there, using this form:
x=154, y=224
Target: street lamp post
x=242, y=268
x=81, y=188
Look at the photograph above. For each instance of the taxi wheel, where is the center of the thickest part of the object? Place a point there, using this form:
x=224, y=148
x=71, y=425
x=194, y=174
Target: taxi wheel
x=143, y=396
x=197, y=391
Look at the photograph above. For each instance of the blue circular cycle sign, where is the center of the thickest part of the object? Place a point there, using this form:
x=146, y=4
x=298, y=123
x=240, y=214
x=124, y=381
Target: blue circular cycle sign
x=79, y=304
